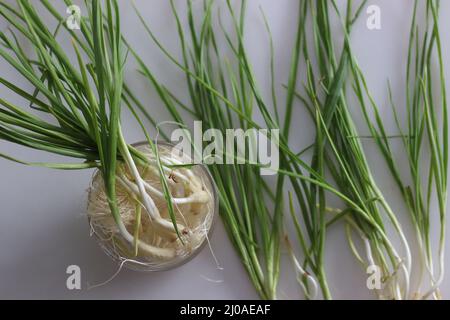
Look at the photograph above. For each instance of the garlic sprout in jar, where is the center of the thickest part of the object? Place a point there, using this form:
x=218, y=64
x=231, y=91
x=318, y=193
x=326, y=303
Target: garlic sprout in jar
x=146, y=243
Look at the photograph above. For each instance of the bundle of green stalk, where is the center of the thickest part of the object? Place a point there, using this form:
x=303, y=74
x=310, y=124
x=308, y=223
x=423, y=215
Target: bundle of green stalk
x=339, y=149
x=425, y=141
x=74, y=110
x=224, y=99
x=347, y=163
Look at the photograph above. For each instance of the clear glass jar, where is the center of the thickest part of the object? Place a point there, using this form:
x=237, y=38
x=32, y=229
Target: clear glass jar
x=116, y=247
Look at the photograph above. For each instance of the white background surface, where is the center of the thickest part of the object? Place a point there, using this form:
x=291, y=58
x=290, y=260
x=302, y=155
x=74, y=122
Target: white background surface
x=43, y=228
